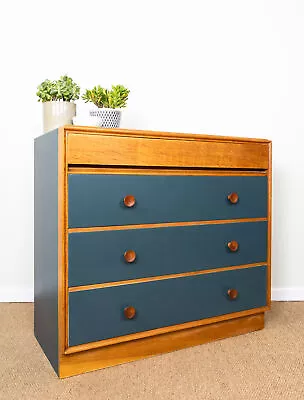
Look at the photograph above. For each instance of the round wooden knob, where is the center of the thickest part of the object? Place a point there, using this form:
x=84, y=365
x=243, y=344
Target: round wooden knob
x=233, y=198
x=233, y=245
x=129, y=201
x=130, y=312
x=233, y=294
x=130, y=256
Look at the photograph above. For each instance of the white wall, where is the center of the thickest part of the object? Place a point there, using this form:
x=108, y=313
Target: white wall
x=227, y=67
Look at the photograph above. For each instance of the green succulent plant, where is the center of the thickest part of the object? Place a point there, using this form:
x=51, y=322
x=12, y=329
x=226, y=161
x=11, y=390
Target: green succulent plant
x=64, y=89
x=104, y=98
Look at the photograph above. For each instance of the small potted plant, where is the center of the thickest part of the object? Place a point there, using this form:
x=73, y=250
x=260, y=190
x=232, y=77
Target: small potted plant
x=58, y=101
x=109, y=104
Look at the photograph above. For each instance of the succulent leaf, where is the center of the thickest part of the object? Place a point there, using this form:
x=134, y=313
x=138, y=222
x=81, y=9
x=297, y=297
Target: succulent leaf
x=104, y=98
x=64, y=89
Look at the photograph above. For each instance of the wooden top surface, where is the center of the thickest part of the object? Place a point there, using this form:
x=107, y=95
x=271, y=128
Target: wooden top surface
x=92, y=130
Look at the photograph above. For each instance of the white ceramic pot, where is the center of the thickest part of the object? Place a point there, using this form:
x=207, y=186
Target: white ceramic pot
x=57, y=113
x=106, y=117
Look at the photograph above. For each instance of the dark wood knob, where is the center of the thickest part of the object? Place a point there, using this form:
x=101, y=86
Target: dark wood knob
x=130, y=312
x=129, y=201
x=233, y=198
x=130, y=256
x=233, y=294
x=233, y=245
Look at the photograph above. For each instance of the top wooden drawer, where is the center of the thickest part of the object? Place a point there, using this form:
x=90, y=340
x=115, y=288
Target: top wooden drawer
x=153, y=149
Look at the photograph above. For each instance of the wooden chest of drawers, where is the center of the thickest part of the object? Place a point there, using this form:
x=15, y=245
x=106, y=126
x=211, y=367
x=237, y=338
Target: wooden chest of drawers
x=147, y=242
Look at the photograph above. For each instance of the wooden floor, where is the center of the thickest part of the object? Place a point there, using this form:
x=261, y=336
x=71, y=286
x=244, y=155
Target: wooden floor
x=267, y=364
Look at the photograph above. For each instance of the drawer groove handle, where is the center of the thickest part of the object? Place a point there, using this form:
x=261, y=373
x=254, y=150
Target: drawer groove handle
x=129, y=201
x=130, y=312
x=233, y=198
x=130, y=256
x=232, y=294
x=233, y=246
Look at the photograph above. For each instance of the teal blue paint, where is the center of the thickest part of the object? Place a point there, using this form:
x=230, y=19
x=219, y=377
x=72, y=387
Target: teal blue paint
x=98, y=314
x=97, y=199
x=46, y=244
x=96, y=257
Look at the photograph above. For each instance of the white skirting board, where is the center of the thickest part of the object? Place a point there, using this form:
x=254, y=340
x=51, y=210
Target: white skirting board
x=16, y=294
x=287, y=294
x=26, y=294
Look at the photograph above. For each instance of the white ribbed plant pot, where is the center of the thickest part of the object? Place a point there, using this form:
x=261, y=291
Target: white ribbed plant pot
x=106, y=117
x=57, y=113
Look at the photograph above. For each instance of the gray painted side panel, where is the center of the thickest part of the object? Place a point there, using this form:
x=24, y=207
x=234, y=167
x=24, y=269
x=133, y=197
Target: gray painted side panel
x=46, y=245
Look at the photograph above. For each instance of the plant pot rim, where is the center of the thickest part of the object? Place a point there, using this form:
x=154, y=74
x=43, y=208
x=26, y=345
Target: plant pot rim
x=58, y=101
x=107, y=108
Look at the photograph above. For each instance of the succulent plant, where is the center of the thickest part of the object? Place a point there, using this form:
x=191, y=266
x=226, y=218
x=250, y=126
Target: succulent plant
x=64, y=89
x=104, y=98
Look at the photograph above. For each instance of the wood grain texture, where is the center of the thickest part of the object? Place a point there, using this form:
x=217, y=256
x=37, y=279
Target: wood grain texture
x=136, y=151
x=233, y=294
x=171, y=154
x=233, y=198
x=130, y=256
x=62, y=243
x=162, y=171
x=152, y=134
x=129, y=201
x=129, y=312
x=164, y=225
x=269, y=250
x=233, y=246
x=160, y=277
x=160, y=331
x=77, y=363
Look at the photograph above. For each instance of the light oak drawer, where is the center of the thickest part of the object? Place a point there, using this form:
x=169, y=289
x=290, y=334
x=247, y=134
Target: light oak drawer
x=129, y=150
x=98, y=199
x=107, y=256
x=103, y=313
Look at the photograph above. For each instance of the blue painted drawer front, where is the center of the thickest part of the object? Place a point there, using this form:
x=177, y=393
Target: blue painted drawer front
x=96, y=257
x=97, y=200
x=98, y=314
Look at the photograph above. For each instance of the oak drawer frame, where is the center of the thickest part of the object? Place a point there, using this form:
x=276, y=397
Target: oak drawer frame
x=151, y=149
x=199, y=154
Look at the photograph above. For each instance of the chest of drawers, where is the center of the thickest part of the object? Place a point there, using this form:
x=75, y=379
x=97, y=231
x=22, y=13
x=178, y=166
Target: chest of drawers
x=147, y=242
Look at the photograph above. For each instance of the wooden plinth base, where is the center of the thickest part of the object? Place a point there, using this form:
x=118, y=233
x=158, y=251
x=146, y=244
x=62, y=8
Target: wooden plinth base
x=90, y=360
